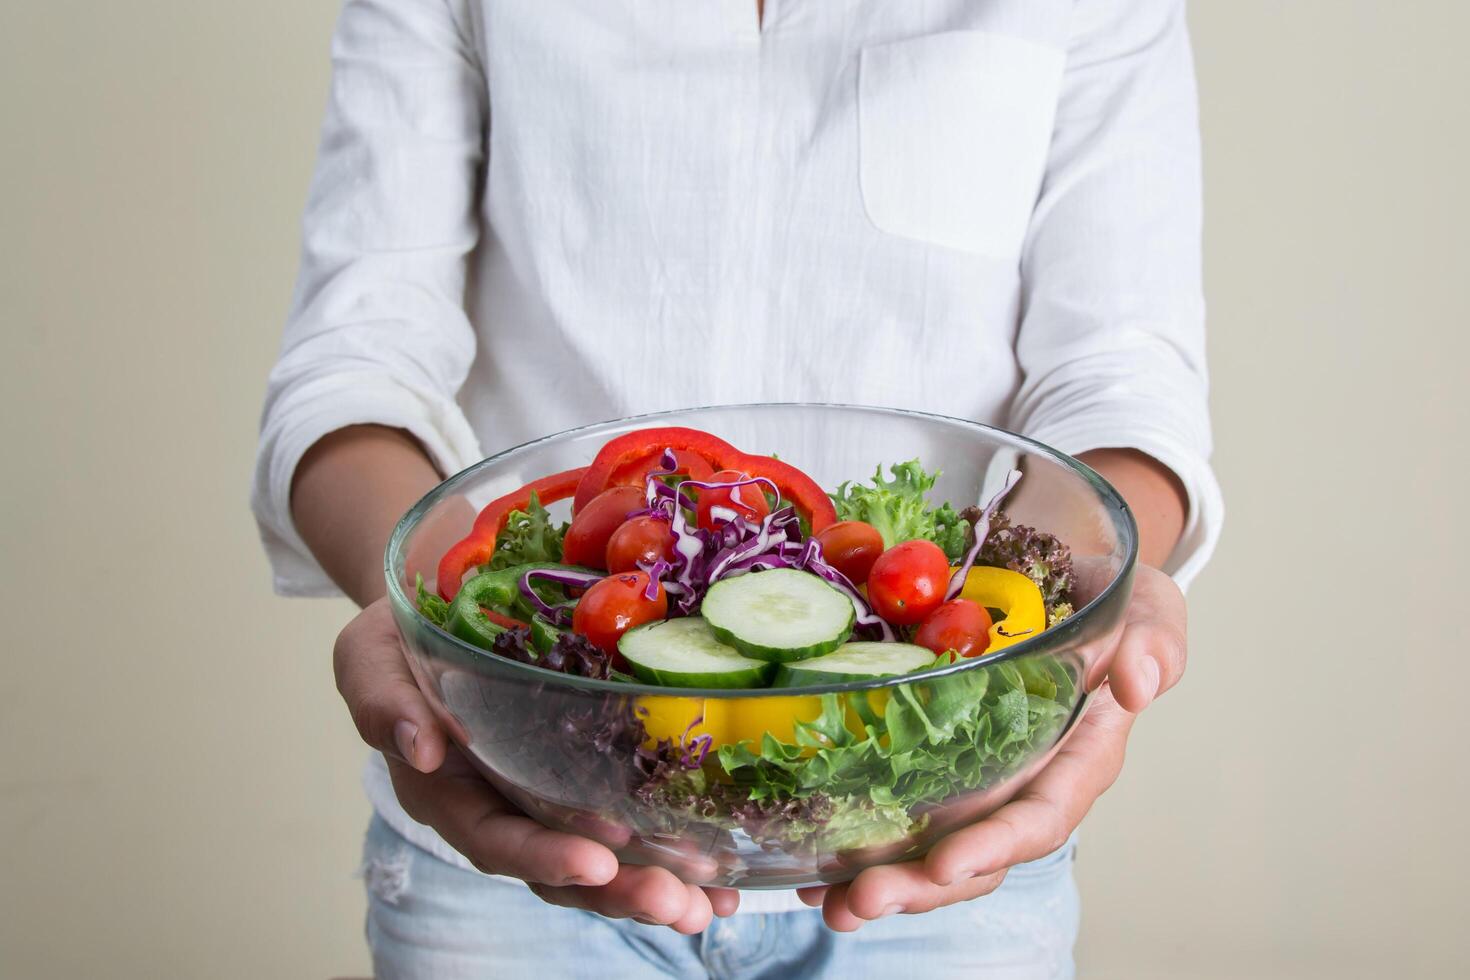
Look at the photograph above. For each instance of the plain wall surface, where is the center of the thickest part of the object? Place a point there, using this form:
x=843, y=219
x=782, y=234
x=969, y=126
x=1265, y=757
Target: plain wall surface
x=179, y=784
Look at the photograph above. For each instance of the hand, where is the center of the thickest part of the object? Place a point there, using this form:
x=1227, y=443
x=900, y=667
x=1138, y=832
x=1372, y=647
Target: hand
x=1148, y=660
x=437, y=786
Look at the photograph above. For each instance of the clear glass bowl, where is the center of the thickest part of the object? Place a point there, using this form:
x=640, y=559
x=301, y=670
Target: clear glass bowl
x=580, y=755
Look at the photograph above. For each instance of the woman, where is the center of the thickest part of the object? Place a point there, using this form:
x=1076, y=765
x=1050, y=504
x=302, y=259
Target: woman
x=532, y=215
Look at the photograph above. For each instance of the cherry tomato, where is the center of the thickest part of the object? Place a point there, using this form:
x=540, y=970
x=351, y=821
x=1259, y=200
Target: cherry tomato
x=586, y=540
x=851, y=547
x=961, y=625
x=615, y=605
x=907, y=582
x=644, y=539
x=748, y=501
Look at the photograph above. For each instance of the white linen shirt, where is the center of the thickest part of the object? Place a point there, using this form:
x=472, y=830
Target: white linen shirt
x=532, y=214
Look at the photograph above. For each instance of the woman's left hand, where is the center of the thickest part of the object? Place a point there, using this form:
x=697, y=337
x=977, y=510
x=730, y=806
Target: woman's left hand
x=1148, y=660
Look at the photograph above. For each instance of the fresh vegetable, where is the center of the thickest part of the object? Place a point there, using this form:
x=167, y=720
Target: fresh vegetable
x=686, y=653
x=795, y=487
x=544, y=634
x=727, y=721
x=779, y=615
x=528, y=536
x=635, y=473
x=500, y=619
x=1035, y=554
x=851, y=547
x=703, y=557
x=640, y=541
x=960, y=625
x=617, y=604
x=898, y=508
x=721, y=505
x=862, y=661
x=568, y=653
x=434, y=609
x=1018, y=598
x=643, y=444
x=908, y=581
x=544, y=590
x=934, y=739
x=478, y=547
x=766, y=587
x=979, y=532
x=495, y=594
x=586, y=539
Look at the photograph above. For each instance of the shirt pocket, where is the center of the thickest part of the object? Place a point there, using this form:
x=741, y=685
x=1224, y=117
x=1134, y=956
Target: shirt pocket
x=953, y=136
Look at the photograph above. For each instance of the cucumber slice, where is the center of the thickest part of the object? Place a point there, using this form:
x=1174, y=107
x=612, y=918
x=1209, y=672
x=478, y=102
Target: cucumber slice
x=862, y=661
x=779, y=615
x=685, y=653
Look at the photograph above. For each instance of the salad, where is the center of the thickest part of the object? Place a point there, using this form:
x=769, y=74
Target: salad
x=688, y=564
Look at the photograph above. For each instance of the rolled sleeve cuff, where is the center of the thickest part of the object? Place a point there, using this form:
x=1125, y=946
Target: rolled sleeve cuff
x=1126, y=430
x=314, y=409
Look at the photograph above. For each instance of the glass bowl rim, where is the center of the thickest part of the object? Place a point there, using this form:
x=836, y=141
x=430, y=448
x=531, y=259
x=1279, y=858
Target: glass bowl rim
x=1124, y=524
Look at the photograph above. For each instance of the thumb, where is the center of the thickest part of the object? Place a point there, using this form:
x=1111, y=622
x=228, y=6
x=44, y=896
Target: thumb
x=387, y=706
x=1153, y=649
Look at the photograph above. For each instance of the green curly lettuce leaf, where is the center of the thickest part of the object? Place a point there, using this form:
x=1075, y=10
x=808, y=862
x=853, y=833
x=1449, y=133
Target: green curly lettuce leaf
x=1040, y=556
x=435, y=609
x=933, y=740
x=899, y=508
x=529, y=537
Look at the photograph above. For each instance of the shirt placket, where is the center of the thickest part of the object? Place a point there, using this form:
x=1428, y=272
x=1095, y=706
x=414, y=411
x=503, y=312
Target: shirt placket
x=742, y=21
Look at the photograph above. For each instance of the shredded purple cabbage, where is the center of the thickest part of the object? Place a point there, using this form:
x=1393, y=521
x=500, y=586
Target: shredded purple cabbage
x=559, y=615
x=736, y=546
x=982, y=530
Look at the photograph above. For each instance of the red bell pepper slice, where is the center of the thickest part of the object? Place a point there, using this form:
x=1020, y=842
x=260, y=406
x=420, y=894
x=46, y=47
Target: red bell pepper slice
x=478, y=546
x=500, y=620
x=635, y=474
x=633, y=447
x=796, y=487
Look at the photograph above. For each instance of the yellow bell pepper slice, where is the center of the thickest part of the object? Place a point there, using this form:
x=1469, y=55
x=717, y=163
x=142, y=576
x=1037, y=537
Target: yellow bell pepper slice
x=1014, y=594
x=728, y=720
x=733, y=720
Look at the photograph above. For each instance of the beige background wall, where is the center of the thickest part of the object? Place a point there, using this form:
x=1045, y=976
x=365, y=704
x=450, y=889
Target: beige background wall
x=178, y=783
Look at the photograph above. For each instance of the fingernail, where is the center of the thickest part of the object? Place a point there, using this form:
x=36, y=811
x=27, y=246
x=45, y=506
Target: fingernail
x=1150, y=671
x=645, y=920
x=404, y=734
x=891, y=910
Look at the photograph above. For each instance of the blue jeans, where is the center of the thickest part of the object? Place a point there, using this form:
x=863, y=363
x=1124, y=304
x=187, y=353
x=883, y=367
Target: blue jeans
x=427, y=918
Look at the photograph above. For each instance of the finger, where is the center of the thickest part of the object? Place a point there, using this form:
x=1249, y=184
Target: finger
x=836, y=914
x=1149, y=661
x=1047, y=810
x=650, y=895
x=896, y=889
x=814, y=896
x=497, y=839
x=724, y=901
x=390, y=712
x=698, y=916
x=1152, y=652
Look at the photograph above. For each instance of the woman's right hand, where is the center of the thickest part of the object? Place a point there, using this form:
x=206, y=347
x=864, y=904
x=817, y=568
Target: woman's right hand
x=438, y=787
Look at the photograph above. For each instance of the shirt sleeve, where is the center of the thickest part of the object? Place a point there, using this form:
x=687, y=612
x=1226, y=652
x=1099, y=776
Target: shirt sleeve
x=1112, y=345
x=377, y=331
